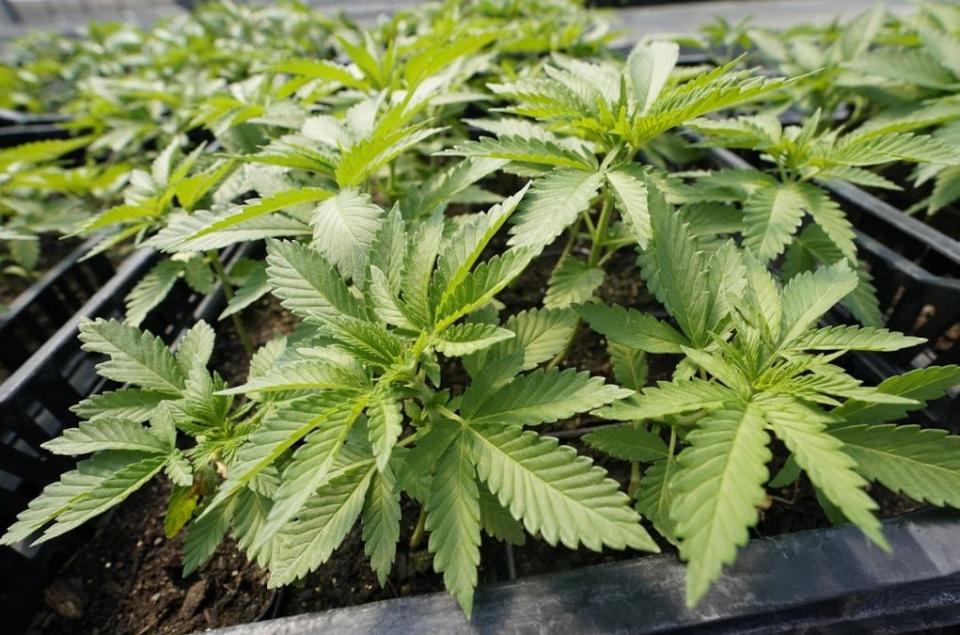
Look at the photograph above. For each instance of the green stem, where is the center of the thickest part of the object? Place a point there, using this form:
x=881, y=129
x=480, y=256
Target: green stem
x=418, y=531
x=634, y=479
x=599, y=238
x=228, y=294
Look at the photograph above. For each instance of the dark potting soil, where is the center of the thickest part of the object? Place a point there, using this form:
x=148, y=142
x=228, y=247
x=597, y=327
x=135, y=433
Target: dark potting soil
x=128, y=578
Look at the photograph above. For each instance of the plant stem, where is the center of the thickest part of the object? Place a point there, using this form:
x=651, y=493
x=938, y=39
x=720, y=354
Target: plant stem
x=634, y=478
x=418, y=531
x=228, y=294
x=596, y=250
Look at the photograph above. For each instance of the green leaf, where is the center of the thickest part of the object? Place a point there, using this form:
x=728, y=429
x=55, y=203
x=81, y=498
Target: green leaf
x=630, y=191
x=107, y=434
x=151, y=290
x=630, y=367
x=179, y=510
x=254, y=286
x=541, y=396
x=323, y=523
x=717, y=491
x=203, y=536
x=771, y=215
x=344, y=228
x=573, y=281
x=484, y=282
x=330, y=373
x=921, y=385
x=385, y=423
x=307, y=283
x=923, y=464
x=655, y=497
x=280, y=430
x=453, y=520
x=632, y=328
x=562, y=496
x=556, y=200
x=628, y=443
x=470, y=337
x=520, y=149
x=809, y=295
x=260, y=207
x=649, y=65
x=137, y=357
x=669, y=398
x=127, y=403
x=827, y=213
x=312, y=464
x=381, y=522
x=321, y=69
x=678, y=269
x=498, y=522
x=853, y=338
x=86, y=482
x=804, y=431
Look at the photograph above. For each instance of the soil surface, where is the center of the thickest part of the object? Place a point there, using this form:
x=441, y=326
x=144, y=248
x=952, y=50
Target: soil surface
x=128, y=580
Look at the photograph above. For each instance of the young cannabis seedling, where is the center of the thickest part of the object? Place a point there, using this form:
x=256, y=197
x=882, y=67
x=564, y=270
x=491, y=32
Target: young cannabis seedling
x=756, y=366
x=774, y=202
x=356, y=412
x=588, y=110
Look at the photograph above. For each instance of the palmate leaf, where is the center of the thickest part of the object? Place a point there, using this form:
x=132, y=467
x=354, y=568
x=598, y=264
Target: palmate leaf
x=562, y=496
x=853, y=338
x=649, y=66
x=541, y=396
x=676, y=269
x=445, y=185
x=628, y=443
x=871, y=149
x=97, y=484
x=481, y=284
x=363, y=159
x=308, y=284
x=630, y=192
x=920, y=385
x=418, y=268
x=555, y=202
x=385, y=424
x=923, y=464
x=280, y=430
x=453, y=520
x=524, y=150
x=108, y=434
x=669, y=398
x=827, y=213
x=322, y=69
x=460, y=253
x=809, y=295
x=804, y=431
x=151, y=290
x=497, y=521
x=540, y=334
x=311, y=466
x=344, y=228
x=323, y=523
x=655, y=497
x=261, y=207
x=771, y=215
x=180, y=233
x=717, y=490
x=464, y=339
x=908, y=66
x=630, y=366
x=127, y=403
x=633, y=328
x=380, y=518
x=573, y=281
x=136, y=357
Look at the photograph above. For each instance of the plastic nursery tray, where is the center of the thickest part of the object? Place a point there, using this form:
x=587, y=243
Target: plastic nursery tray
x=15, y=117
x=914, y=269
x=35, y=315
x=26, y=133
x=35, y=400
x=822, y=580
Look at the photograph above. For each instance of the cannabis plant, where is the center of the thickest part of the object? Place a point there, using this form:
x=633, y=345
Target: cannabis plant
x=355, y=411
x=756, y=367
x=592, y=121
x=774, y=202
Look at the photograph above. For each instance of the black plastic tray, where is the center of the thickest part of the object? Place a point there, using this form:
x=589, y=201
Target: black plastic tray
x=823, y=580
x=26, y=133
x=36, y=314
x=35, y=400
